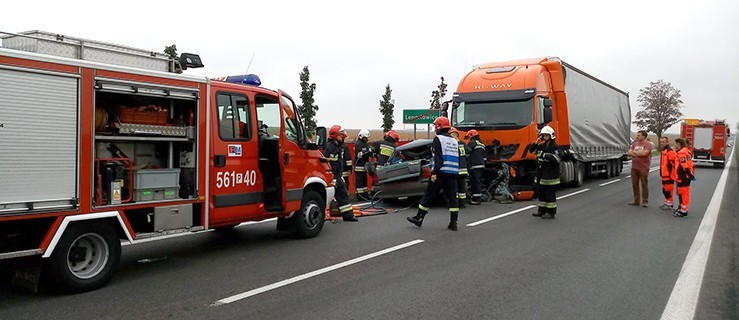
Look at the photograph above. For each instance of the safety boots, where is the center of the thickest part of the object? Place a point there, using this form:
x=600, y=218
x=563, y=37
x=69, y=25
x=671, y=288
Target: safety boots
x=453, y=221
x=418, y=218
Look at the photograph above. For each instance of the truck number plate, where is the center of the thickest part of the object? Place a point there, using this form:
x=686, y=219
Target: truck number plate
x=230, y=179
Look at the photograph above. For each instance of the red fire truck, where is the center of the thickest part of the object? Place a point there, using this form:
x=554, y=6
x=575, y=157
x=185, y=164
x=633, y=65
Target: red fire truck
x=708, y=139
x=102, y=144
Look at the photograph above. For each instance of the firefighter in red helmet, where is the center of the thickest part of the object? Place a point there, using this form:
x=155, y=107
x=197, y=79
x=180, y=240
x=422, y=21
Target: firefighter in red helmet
x=476, y=165
x=444, y=172
x=385, y=148
x=334, y=151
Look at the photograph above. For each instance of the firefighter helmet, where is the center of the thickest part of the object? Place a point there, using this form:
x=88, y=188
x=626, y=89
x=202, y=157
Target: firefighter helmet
x=364, y=133
x=336, y=132
x=392, y=134
x=472, y=133
x=547, y=130
x=442, y=123
x=453, y=130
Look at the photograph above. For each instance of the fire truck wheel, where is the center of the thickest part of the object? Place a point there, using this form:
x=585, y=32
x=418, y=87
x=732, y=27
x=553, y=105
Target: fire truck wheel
x=309, y=221
x=85, y=257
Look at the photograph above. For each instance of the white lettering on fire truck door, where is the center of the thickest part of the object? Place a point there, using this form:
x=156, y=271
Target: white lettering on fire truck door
x=229, y=179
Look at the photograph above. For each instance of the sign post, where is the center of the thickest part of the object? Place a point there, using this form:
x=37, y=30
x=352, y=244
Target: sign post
x=420, y=116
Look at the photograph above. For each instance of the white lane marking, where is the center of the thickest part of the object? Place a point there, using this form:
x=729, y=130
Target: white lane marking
x=609, y=182
x=628, y=177
x=653, y=169
x=500, y=216
x=572, y=194
x=312, y=274
x=684, y=298
x=255, y=222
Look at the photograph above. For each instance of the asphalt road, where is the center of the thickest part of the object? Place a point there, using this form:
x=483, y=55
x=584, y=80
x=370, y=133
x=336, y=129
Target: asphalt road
x=600, y=259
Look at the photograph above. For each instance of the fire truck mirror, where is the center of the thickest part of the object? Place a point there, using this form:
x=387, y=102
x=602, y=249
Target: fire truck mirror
x=547, y=103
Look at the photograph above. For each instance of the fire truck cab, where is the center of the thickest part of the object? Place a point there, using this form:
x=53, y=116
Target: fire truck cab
x=102, y=144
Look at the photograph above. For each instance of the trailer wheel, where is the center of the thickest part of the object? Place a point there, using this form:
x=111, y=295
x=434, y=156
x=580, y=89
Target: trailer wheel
x=617, y=167
x=85, y=258
x=607, y=173
x=579, y=174
x=309, y=221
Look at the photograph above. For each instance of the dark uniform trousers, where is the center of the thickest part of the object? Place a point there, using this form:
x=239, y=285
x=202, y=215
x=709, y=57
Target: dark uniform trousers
x=447, y=183
x=476, y=178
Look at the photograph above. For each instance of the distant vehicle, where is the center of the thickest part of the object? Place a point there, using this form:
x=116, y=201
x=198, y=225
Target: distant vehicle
x=709, y=140
x=508, y=102
x=408, y=171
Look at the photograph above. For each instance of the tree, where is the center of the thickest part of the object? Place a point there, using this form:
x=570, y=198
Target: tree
x=660, y=103
x=308, y=108
x=438, y=95
x=387, y=107
x=171, y=51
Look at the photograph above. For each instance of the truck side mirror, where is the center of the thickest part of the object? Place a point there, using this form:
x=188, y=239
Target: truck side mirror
x=321, y=137
x=548, y=115
x=547, y=103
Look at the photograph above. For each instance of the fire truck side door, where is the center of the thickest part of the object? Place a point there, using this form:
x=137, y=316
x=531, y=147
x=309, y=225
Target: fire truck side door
x=293, y=157
x=236, y=187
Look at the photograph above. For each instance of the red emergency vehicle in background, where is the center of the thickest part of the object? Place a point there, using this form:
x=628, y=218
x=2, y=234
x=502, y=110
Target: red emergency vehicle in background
x=708, y=140
x=102, y=144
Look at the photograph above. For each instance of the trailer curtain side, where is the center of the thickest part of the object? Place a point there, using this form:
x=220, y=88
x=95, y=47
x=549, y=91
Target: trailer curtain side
x=599, y=117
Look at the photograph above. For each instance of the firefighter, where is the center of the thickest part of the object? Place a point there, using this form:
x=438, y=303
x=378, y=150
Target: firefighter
x=463, y=173
x=385, y=148
x=445, y=163
x=335, y=153
x=685, y=174
x=362, y=155
x=547, y=172
x=667, y=171
x=348, y=163
x=476, y=165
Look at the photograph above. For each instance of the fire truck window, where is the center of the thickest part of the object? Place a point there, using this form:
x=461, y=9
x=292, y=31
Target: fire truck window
x=292, y=125
x=233, y=115
x=268, y=113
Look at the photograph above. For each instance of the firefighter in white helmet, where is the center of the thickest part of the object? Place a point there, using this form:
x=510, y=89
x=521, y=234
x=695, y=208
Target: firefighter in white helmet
x=547, y=172
x=362, y=156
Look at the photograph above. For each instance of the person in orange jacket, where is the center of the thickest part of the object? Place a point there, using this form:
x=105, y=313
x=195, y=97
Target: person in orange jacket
x=667, y=171
x=685, y=174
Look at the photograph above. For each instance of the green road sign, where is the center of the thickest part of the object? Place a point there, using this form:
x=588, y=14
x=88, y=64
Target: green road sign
x=419, y=116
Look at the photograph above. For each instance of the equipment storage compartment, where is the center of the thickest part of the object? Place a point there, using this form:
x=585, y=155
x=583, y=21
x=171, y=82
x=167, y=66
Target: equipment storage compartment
x=156, y=184
x=172, y=217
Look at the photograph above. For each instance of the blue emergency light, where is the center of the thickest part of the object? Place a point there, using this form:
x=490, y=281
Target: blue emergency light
x=250, y=79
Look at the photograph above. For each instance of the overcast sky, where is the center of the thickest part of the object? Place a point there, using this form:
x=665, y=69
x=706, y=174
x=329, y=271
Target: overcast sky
x=354, y=49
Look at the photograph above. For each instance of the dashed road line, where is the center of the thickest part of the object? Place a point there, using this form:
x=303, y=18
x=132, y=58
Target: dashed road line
x=609, y=182
x=572, y=194
x=312, y=274
x=477, y=223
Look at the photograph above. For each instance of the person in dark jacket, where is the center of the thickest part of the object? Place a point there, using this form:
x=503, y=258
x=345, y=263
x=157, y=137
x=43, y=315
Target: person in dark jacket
x=476, y=165
x=334, y=151
x=547, y=172
x=385, y=148
x=348, y=163
x=463, y=173
x=445, y=150
x=362, y=155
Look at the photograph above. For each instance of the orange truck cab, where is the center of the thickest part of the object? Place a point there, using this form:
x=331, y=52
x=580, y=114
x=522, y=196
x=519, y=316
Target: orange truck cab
x=104, y=145
x=708, y=140
x=508, y=102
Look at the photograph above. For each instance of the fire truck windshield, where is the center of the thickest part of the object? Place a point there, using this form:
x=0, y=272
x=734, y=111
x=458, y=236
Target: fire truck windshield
x=494, y=114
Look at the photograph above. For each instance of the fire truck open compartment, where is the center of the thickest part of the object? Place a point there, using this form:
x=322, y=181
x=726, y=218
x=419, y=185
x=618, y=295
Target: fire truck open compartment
x=145, y=144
